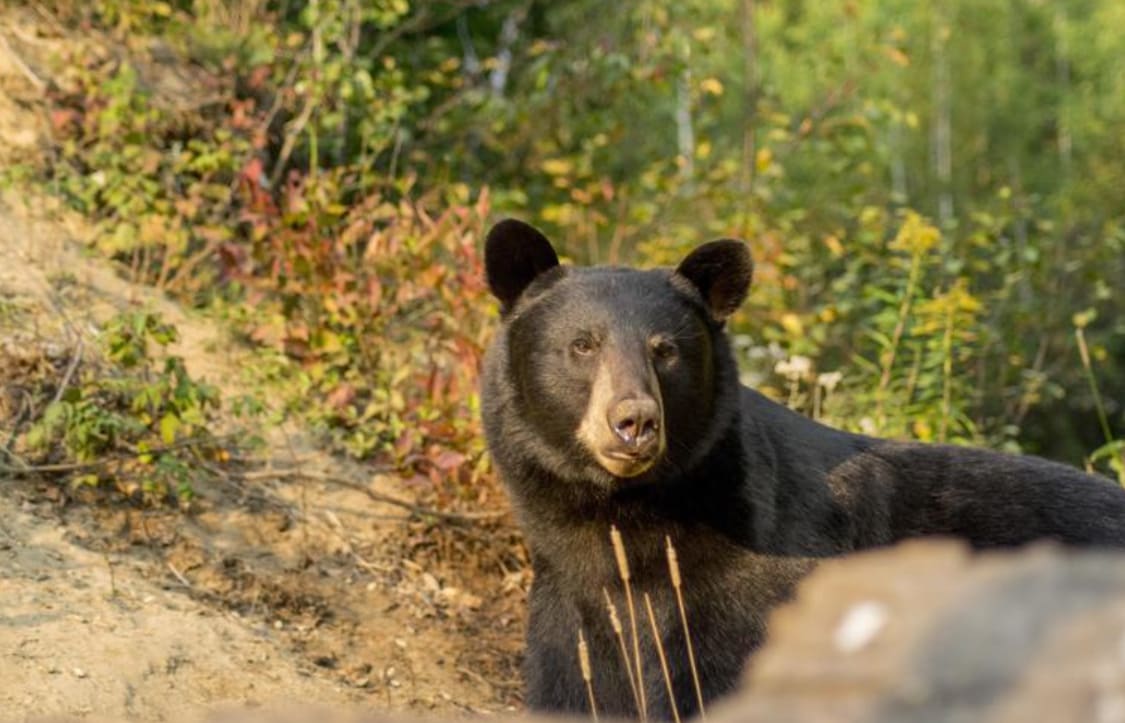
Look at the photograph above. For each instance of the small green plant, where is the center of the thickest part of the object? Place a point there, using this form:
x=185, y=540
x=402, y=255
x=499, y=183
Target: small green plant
x=1112, y=452
x=131, y=420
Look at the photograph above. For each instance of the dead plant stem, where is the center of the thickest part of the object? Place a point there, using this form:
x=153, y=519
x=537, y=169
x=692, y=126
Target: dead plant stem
x=623, y=570
x=677, y=585
x=663, y=659
x=618, y=630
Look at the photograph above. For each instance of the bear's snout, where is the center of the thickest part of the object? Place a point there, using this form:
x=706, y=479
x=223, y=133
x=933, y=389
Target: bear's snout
x=629, y=439
x=636, y=422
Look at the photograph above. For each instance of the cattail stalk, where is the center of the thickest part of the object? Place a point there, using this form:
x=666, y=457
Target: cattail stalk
x=677, y=584
x=618, y=630
x=663, y=660
x=623, y=571
x=587, y=672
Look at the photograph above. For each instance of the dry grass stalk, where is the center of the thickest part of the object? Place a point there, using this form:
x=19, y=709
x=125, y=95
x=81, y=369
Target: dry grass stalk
x=587, y=672
x=623, y=570
x=677, y=584
x=1099, y=406
x=663, y=660
x=619, y=631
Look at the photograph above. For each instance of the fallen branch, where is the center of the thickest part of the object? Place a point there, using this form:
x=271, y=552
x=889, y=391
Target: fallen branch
x=35, y=469
x=74, y=360
x=292, y=133
x=178, y=575
x=340, y=481
x=35, y=80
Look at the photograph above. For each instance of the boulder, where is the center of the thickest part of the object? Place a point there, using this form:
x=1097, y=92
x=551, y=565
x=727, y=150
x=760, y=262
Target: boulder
x=930, y=631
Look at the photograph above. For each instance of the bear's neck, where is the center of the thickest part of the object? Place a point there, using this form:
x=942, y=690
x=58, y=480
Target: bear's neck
x=708, y=500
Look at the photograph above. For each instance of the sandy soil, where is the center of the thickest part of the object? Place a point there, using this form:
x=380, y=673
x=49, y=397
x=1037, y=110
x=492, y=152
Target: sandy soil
x=271, y=591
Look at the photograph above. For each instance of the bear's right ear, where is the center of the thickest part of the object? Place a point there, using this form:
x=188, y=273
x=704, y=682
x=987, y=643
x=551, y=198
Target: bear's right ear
x=515, y=253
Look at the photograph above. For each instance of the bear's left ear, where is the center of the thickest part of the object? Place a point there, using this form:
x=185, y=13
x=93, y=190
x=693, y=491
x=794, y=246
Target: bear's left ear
x=514, y=254
x=721, y=272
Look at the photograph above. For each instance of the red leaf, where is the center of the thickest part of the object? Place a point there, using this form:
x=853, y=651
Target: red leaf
x=341, y=396
x=374, y=291
x=449, y=460
x=63, y=118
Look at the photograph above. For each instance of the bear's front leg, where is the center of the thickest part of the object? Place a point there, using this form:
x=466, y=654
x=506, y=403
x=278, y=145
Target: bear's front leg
x=551, y=669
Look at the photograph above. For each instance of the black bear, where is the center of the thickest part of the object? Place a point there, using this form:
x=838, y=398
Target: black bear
x=611, y=398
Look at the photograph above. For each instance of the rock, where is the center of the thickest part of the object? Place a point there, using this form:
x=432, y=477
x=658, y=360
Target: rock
x=929, y=631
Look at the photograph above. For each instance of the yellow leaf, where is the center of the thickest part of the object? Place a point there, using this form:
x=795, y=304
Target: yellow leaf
x=539, y=47
x=153, y=229
x=169, y=423
x=704, y=35
x=897, y=57
x=1083, y=318
x=557, y=166
x=711, y=86
x=792, y=324
x=90, y=480
x=916, y=235
x=762, y=159
x=581, y=195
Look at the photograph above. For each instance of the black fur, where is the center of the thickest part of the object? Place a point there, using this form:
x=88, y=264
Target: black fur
x=749, y=492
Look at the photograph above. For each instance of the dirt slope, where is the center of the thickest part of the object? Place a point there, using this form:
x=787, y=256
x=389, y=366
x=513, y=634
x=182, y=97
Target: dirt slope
x=90, y=633
x=274, y=589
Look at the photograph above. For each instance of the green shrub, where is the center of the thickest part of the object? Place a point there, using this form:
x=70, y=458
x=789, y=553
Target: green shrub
x=129, y=419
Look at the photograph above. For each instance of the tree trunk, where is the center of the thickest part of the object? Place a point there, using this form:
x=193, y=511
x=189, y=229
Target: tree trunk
x=943, y=115
x=1062, y=71
x=749, y=96
x=685, y=130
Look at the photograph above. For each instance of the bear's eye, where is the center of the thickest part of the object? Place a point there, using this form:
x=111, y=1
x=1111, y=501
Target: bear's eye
x=582, y=346
x=663, y=349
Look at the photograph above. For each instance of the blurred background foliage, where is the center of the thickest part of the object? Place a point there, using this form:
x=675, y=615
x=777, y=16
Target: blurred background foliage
x=932, y=191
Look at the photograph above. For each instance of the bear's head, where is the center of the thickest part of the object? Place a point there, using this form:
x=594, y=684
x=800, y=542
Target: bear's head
x=610, y=375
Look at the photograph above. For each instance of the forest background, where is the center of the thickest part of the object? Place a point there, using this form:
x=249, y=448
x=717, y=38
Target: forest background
x=932, y=192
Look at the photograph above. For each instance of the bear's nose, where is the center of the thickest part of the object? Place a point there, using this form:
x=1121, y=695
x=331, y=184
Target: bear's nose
x=636, y=421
